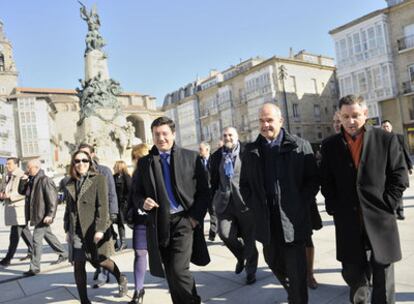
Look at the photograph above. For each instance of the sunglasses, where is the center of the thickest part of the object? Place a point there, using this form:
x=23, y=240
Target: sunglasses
x=83, y=160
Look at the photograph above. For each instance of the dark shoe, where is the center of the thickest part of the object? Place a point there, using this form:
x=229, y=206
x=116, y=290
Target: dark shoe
x=60, y=259
x=312, y=284
x=400, y=217
x=123, y=286
x=251, y=278
x=5, y=262
x=138, y=297
x=31, y=273
x=239, y=267
x=211, y=236
x=26, y=257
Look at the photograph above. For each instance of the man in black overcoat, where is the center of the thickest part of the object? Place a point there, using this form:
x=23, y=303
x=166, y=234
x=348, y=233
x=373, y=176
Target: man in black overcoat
x=171, y=186
x=363, y=176
x=278, y=181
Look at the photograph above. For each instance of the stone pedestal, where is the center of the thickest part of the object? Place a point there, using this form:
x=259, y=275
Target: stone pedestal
x=95, y=63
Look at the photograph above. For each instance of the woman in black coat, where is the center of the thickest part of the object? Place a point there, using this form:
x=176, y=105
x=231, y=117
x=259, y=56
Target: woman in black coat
x=137, y=220
x=87, y=223
x=122, y=186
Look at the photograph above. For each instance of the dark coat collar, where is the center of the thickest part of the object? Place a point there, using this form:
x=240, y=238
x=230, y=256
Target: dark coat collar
x=288, y=143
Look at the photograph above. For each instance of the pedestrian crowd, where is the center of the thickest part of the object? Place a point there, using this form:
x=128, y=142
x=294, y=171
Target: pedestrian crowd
x=262, y=191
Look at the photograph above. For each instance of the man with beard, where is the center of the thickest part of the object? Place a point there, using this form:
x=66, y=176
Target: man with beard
x=235, y=219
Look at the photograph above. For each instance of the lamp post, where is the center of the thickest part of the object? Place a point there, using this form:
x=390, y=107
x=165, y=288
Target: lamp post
x=282, y=77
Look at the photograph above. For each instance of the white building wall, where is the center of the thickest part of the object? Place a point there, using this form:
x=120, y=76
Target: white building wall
x=7, y=132
x=365, y=62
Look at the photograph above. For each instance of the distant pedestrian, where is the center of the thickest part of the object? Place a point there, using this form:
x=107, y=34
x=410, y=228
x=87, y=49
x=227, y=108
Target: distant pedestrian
x=122, y=181
x=14, y=214
x=204, y=152
x=40, y=209
x=87, y=223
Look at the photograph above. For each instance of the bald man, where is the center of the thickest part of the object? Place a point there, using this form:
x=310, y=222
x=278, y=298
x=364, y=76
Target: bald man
x=40, y=210
x=278, y=181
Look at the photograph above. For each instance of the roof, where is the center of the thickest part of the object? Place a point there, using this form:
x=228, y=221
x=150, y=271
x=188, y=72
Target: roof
x=358, y=20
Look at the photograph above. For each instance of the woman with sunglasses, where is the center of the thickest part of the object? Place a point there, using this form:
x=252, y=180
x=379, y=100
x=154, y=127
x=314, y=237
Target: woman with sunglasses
x=87, y=223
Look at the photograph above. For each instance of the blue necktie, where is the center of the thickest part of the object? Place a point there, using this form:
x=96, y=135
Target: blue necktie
x=167, y=180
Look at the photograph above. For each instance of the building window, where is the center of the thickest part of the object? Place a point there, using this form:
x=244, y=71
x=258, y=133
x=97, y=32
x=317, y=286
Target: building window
x=411, y=72
x=317, y=111
x=315, y=85
x=362, y=82
x=2, y=66
x=293, y=79
x=295, y=110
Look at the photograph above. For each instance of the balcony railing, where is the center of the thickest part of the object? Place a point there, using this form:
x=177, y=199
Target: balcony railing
x=406, y=43
x=408, y=87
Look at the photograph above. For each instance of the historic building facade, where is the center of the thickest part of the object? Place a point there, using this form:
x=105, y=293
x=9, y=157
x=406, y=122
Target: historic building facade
x=303, y=85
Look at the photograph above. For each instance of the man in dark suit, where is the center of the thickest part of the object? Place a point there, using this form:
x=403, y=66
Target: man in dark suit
x=387, y=126
x=171, y=186
x=363, y=177
x=235, y=220
x=204, y=151
x=278, y=181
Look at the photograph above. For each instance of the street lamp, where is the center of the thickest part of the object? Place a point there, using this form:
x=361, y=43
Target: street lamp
x=282, y=77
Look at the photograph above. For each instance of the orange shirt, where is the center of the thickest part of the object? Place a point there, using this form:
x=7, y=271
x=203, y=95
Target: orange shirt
x=355, y=146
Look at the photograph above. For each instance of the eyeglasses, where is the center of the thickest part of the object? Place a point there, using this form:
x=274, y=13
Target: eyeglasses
x=83, y=160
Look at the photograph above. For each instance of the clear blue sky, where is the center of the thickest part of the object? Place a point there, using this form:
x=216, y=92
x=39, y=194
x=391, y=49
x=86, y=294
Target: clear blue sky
x=154, y=47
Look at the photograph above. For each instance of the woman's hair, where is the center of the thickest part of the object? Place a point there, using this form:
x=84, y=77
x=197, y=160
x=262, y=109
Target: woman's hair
x=139, y=151
x=72, y=171
x=121, y=167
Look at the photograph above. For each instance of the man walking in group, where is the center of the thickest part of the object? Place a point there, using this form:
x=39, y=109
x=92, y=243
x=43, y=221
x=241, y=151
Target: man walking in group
x=172, y=187
x=14, y=214
x=363, y=178
x=40, y=209
x=204, y=151
x=387, y=126
x=235, y=220
x=278, y=181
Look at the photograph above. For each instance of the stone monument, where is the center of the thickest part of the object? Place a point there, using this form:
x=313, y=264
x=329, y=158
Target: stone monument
x=101, y=123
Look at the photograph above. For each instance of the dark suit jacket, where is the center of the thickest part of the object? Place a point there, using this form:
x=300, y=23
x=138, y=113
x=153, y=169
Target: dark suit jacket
x=190, y=186
x=43, y=198
x=363, y=201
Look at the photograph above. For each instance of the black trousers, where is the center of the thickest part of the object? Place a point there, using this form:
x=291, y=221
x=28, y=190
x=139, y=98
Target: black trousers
x=357, y=276
x=236, y=229
x=287, y=261
x=176, y=259
x=16, y=232
x=213, y=221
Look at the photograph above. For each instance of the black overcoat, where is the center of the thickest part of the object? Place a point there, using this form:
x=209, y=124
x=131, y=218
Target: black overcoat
x=298, y=180
x=363, y=201
x=191, y=187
